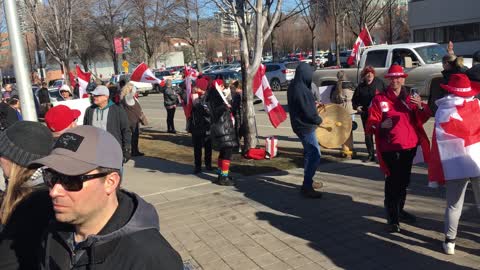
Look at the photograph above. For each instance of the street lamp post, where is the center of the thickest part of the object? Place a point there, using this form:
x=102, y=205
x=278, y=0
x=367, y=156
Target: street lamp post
x=24, y=85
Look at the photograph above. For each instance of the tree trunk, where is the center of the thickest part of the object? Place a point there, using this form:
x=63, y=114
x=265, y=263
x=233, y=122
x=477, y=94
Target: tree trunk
x=250, y=139
x=273, y=42
x=84, y=62
x=314, y=49
x=66, y=71
x=337, y=52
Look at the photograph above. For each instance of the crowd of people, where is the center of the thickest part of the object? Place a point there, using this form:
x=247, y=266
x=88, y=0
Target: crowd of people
x=63, y=206
x=394, y=115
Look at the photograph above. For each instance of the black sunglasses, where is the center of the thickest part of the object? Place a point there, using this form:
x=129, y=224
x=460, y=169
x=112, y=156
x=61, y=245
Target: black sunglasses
x=69, y=183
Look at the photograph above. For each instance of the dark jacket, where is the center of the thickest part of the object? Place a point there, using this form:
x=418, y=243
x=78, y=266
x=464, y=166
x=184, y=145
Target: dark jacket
x=222, y=130
x=200, y=120
x=8, y=116
x=170, y=98
x=21, y=237
x=43, y=96
x=130, y=240
x=474, y=75
x=301, y=103
x=117, y=125
x=364, y=93
x=134, y=113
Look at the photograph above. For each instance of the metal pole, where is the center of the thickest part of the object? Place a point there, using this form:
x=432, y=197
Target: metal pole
x=24, y=85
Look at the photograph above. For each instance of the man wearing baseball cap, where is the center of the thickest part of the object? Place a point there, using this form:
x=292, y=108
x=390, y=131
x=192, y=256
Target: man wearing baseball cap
x=103, y=226
x=61, y=118
x=105, y=114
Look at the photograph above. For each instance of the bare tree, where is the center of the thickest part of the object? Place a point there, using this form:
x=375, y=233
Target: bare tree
x=284, y=17
x=190, y=17
x=365, y=13
x=311, y=14
x=53, y=21
x=247, y=13
x=333, y=10
x=109, y=18
x=152, y=18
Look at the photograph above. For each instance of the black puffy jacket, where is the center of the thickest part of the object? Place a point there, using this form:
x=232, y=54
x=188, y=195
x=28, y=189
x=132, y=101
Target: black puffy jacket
x=222, y=129
x=200, y=121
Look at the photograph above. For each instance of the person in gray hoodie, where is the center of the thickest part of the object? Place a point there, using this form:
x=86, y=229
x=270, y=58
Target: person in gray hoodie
x=108, y=116
x=97, y=225
x=305, y=120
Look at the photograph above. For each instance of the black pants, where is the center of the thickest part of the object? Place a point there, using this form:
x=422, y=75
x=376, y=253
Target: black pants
x=399, y=164
x=200, y=141
x=135, y=135
x=368, y=137
x=170, y=116
x=225, y=153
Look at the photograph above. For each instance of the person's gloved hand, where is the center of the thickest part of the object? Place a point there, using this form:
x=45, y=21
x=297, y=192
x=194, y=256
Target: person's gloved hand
x=126, y=155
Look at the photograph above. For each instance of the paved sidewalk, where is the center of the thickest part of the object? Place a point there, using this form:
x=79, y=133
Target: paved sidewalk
x=263, y=223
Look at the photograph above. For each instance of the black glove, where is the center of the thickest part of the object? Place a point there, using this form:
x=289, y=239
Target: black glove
x=126, y=155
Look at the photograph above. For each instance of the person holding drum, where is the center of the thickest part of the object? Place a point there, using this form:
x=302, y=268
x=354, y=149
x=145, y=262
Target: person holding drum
x=396, y=117
x=305, y=120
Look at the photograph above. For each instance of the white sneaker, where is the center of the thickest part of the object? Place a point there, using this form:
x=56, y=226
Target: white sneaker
x=449, y=248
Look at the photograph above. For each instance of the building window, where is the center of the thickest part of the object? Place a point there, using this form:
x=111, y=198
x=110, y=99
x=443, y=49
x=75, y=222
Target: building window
x=455, y=33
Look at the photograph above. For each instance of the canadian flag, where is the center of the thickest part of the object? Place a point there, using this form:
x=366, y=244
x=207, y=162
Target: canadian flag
x=262, y=90
x=456, y=140
x=83, y=80
x=71, y=77
x=190, y=74
x=364, y=39
x=143, y=74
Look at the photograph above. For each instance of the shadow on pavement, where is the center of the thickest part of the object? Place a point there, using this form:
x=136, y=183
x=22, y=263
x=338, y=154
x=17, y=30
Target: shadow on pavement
x=350, y=234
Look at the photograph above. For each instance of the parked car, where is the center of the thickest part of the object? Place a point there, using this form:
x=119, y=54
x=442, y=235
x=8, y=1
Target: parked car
x=142, y=88
x=227, y=75
x=279, y=75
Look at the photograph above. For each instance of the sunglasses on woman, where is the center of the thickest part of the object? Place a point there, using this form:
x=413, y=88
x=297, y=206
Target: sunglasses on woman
x=69, y=183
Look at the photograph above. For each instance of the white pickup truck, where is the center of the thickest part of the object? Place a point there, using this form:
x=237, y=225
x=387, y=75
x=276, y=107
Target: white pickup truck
x=421, y=61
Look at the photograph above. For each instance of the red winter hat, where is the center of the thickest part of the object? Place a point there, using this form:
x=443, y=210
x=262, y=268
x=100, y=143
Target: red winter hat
x=60, y=117
x=218, y=81
x=396, y=71
x=460, y=85
x=202, y=84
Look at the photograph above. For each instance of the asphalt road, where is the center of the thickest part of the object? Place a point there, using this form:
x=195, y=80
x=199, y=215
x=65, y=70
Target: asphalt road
x=155, y=111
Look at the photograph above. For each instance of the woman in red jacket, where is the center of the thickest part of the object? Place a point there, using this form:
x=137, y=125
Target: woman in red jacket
x=396, y=118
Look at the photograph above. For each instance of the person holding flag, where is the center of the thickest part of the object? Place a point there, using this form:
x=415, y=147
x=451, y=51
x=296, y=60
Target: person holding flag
x=222, y=129
x=455, y=161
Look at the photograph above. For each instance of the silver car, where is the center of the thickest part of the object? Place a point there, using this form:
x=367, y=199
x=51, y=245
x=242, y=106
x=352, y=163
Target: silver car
x=279, y=75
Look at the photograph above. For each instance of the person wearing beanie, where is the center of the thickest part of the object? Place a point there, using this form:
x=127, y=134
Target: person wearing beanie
x=362, y=97
x=396, y=117
x=222, y=129
x=199, y=126
x=61, y=118
x=25, y=208
x=130, y=104
x=107, y=115
x=342, y=94
x=454, y=158
x=170, y=101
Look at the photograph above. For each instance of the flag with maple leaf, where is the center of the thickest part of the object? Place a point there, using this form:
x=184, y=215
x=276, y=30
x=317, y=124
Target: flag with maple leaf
x=261, y=89
x=456, y=140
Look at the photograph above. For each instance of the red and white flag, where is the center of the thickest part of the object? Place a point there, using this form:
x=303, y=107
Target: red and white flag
x=71, y=77
x=456, y=140
x=83, y=80
x=261, y=89
x=143, y=74
x=364, y=39
x=190, y=74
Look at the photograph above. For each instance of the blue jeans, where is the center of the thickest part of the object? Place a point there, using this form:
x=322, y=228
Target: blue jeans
x=311, y=155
